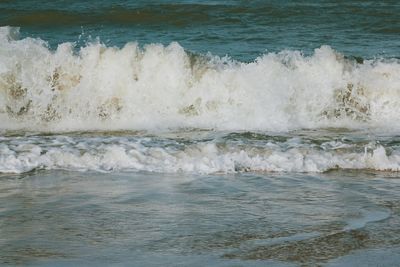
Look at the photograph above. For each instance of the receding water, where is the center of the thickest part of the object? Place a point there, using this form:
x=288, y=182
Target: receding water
x=62, y=218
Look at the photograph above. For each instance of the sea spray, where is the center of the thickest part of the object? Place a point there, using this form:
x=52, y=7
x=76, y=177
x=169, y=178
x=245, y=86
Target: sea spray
x=165, y=87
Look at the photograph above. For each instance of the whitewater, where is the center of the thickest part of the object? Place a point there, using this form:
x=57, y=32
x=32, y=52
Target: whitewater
x=158, y=87
x=269, y=115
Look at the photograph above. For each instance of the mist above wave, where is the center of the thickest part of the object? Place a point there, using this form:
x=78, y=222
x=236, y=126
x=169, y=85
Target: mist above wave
x=165, y=87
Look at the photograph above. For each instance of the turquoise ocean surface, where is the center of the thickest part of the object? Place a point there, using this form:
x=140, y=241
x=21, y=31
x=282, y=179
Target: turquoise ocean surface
x=199, y=133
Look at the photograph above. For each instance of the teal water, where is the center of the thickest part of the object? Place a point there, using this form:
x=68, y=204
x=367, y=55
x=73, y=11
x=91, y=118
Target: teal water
x=199, y=133
x=240, y=29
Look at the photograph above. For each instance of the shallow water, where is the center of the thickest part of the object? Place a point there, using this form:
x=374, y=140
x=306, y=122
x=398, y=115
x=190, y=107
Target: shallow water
x=59, y=218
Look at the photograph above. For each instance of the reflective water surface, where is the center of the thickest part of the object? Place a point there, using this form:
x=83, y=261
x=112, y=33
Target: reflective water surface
x=57, y=218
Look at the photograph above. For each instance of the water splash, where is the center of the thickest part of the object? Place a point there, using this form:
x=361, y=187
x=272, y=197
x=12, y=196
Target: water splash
x=165, y=87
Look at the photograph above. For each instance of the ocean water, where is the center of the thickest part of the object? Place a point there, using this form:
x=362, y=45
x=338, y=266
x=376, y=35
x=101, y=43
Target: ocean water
x=199, y=133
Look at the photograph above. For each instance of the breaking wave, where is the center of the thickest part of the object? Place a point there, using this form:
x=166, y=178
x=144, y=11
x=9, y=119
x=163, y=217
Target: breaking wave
x=166, y=87
x=229, y=154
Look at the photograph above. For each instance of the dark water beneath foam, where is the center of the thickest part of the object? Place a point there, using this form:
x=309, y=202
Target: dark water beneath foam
x=241, y=29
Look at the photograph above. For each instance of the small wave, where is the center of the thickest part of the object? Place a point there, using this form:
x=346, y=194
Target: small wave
x=165, y=87
x=367, y=217
x=165, y=155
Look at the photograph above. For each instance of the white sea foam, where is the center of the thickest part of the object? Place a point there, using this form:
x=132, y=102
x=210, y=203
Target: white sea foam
x=19, y=155
x=160, y=87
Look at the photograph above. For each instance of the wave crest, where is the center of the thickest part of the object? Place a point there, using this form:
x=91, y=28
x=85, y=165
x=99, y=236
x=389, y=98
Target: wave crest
x=165, y=87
